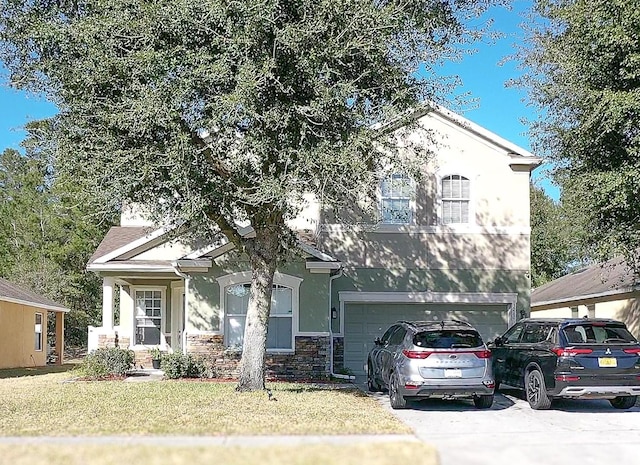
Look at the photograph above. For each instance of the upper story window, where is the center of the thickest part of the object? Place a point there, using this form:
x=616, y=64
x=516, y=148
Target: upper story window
x=396, y=192
x=455, y=199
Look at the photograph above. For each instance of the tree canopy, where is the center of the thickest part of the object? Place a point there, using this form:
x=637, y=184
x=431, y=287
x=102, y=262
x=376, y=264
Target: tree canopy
x=217, y=112
x=46, y=238
x=556, y=239
x=583, y=63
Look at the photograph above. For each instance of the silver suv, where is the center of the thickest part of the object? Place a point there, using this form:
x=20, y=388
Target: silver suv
x=422, y=359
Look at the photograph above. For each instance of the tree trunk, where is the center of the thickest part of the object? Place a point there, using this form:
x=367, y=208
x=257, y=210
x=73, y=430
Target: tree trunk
x=263, y=257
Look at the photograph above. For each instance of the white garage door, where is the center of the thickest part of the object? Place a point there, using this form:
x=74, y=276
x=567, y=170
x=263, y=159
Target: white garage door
x=365, y=322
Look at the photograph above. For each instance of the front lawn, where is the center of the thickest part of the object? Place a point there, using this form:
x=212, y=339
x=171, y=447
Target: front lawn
x=313, y=454
x=47, y=404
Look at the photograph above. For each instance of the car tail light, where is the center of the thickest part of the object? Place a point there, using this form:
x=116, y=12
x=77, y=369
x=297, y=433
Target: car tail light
x=425, y=353
x=566, y=378
x=411, y=386
x=570, y=351
x=483, y=353
x=635, y=350
x=416, y=353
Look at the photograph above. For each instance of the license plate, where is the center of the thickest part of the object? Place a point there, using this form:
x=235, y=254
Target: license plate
x=452, y=373
x=607, y=362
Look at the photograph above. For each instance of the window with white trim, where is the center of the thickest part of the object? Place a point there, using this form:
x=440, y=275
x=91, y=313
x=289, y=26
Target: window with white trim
x=455, y=199
x=396, y=193
x=38, y=332
x=280, y=332
x=148, y=316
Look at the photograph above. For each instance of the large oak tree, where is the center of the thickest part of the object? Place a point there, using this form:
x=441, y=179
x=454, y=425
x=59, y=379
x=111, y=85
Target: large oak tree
x=214, y=113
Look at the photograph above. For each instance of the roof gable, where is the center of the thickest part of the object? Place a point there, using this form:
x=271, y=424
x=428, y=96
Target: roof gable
x=118, y=237
x=432, y=112
x=132, y=247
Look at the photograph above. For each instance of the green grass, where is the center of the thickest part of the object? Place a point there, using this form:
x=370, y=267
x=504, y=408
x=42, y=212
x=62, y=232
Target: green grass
x=379, y=453
x=49, y=405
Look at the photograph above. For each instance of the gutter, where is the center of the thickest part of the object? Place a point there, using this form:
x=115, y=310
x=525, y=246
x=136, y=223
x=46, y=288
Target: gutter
x=339, y=274
x=187, y=278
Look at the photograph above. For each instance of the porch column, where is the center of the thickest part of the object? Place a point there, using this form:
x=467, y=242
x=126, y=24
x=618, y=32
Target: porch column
x=107, y=302
x=60, y=336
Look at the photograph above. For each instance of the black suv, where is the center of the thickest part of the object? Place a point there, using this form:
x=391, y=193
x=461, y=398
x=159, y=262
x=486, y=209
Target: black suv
x=575, y=358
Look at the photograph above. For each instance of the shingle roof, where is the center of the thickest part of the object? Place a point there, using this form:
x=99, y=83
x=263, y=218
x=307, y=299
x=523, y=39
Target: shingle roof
x=611, y=277
x=13, y=293
x=119, y=236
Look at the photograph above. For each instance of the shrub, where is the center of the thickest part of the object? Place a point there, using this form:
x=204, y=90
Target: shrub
x=105, y=362
x=174, y=365
x=179, y=365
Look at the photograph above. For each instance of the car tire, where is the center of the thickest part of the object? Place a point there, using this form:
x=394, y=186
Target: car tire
x=396, y=399
x=536, y=391
x=372, y=385
x=623, y=402
x=483, y=402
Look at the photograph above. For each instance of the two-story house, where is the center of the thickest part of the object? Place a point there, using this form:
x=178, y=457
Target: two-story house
x=453, y=244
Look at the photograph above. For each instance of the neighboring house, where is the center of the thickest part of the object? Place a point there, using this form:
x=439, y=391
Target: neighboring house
x=23, y=327
x=607, y=290
x=454, y=245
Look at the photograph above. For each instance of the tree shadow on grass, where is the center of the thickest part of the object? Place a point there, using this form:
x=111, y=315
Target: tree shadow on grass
x=36, y=371
x=299, y=388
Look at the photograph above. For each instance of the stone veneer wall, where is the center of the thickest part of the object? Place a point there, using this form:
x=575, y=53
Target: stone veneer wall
x=309, y=362
x=338, y=354
x=108, y=340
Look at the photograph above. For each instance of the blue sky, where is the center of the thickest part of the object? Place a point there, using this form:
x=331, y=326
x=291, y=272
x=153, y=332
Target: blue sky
x=499, y=109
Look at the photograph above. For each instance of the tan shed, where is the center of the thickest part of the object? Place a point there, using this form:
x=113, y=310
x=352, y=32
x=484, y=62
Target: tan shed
x=23, y=327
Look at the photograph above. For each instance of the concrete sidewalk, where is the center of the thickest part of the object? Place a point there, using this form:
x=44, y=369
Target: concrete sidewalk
x=143, y=375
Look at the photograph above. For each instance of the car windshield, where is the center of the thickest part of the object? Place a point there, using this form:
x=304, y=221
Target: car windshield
x=597, y=333
x=448, y=339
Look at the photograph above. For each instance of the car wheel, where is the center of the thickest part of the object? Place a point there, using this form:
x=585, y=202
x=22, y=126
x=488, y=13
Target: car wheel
x=623, y=402
x=483, y=401
x=396, y=399
x=372, y=385
x=536, y=391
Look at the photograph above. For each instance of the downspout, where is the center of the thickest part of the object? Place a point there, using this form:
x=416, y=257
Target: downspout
x=186, y=278
x=339, y=274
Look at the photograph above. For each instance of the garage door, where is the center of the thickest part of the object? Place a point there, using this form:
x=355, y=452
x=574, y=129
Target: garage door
x=365, y=322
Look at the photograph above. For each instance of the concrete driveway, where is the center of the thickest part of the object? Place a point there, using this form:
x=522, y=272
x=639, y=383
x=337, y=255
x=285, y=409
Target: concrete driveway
x=511, y=433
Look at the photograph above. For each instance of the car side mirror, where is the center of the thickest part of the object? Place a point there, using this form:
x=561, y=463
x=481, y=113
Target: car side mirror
x=377, y=342
x=498, y=341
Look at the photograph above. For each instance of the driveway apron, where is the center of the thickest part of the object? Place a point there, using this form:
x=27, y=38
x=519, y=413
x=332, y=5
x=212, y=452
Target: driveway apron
x=584, y=432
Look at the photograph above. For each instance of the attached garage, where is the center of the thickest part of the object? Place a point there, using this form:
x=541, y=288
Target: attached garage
x=365, y=316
